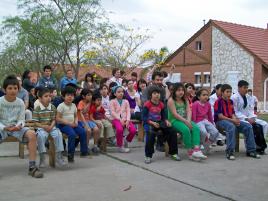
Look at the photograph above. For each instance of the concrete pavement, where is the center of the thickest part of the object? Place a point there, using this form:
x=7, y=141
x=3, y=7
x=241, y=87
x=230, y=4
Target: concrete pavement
x=117, y=176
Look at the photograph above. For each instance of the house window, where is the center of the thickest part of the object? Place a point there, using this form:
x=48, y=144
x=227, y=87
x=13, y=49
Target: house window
x=198, y=79
x=198, y=45
x=206, y=79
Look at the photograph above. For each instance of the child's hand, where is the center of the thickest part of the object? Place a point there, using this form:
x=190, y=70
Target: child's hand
x=15, y=128
x=127, y=124
x=168, y=123
x=47, y=128
x=236, y=122
x=122, y=122
x=251, y=121
x=156, y=125
x=98, y=124
x=188, y=123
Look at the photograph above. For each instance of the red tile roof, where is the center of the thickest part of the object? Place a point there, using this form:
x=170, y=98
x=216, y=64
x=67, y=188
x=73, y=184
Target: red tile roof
x=253, y=39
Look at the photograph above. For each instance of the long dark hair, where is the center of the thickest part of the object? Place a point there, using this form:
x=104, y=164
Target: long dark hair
x=91, y=76
x=25, y=75
x=141, y=81
x=83, y=93
x=176, y=87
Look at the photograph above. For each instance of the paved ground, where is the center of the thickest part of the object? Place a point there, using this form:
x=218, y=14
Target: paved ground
x=118, y=176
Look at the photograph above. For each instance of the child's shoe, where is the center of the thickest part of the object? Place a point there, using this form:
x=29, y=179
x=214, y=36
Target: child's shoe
x=123, y=150
x=253, y=154
x=125, y=143
x=59, y=160
x=230, y=155
x=175, y=157
x=42, y=162
x=198, y=154
x=147, y=160
x=35, y=172
x=95, y=150
x=70, y=158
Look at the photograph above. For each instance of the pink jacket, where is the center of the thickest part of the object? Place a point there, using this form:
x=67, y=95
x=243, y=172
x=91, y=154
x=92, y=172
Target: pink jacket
x=120, y=112
x=201, y=112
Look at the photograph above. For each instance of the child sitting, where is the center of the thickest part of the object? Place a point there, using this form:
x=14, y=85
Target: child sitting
x=202, y=116
x=154, y=119
x=12, y=120
x=179, y=114
x=224, y=117
x=120, y=111
x=84, y=119
x=97, y=115
x=45, y=119
x=68, y=123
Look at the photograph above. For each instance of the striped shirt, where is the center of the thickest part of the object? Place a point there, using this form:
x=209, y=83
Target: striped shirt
x=44, y=115
x=224, y=107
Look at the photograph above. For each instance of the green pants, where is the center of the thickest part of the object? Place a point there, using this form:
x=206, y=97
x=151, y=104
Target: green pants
x=191, y=138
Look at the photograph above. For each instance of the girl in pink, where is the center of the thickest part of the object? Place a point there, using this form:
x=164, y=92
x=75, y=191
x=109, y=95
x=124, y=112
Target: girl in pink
x=202, y=116
x=120, y=112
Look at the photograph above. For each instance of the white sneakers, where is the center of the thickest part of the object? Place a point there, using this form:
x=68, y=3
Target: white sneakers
x=197, y=156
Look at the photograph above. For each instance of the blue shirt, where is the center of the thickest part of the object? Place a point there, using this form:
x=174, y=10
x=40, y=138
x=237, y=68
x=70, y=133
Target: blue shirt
x=48, y=82
x=64, y=81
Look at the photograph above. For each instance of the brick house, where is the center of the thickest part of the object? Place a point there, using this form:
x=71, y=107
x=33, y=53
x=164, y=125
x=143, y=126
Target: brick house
x=222, y=52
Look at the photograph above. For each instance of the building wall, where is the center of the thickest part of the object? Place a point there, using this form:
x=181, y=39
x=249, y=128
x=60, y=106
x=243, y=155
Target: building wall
x=227, y=55
x=188, y=72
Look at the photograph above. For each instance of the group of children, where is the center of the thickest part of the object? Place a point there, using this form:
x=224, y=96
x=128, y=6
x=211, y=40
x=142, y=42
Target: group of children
x=107, y=112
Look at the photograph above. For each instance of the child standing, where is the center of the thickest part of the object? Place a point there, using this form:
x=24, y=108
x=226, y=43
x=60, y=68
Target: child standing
x=224, y=116
x=179, y=114
x=202, y=116
x=45, y=119
x=12, y=120
x=120, y=111
x=154, y=119
x=84, y=118
x=68, y=123
x=97, y=115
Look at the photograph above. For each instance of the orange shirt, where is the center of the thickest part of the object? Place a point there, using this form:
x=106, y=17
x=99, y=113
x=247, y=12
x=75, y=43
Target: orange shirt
x=84, y=108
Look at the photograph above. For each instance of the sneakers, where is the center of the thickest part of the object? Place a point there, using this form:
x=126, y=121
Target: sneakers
x=199, y=154
x=230, y=155
x=59, y=160
x=253, y=154
x=42, y=162
x=220, y=143
x=175, y=157
x=95, y=150
x=71, y=158
x=125, y=143
x=35, y=172
x=147, y=160
x=123, y=150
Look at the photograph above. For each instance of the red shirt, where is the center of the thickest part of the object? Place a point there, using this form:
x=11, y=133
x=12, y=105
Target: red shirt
x=98, y=112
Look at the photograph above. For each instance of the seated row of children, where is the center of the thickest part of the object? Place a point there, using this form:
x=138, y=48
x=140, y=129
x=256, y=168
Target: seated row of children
x=97, y=113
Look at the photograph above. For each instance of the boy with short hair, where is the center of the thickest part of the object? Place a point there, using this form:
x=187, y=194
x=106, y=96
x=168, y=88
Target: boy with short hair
x=44, y=116
x=224, y=116
x=47, y=80
x=154, y=120
x=244, y=113
x=12, y=121
x=97, y=114
x=68, y=123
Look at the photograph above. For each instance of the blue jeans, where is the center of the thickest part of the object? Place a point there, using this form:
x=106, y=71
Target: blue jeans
x=231, y=132
x=72, y=133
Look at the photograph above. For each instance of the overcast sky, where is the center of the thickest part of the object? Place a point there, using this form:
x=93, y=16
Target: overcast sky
x=172, y=22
